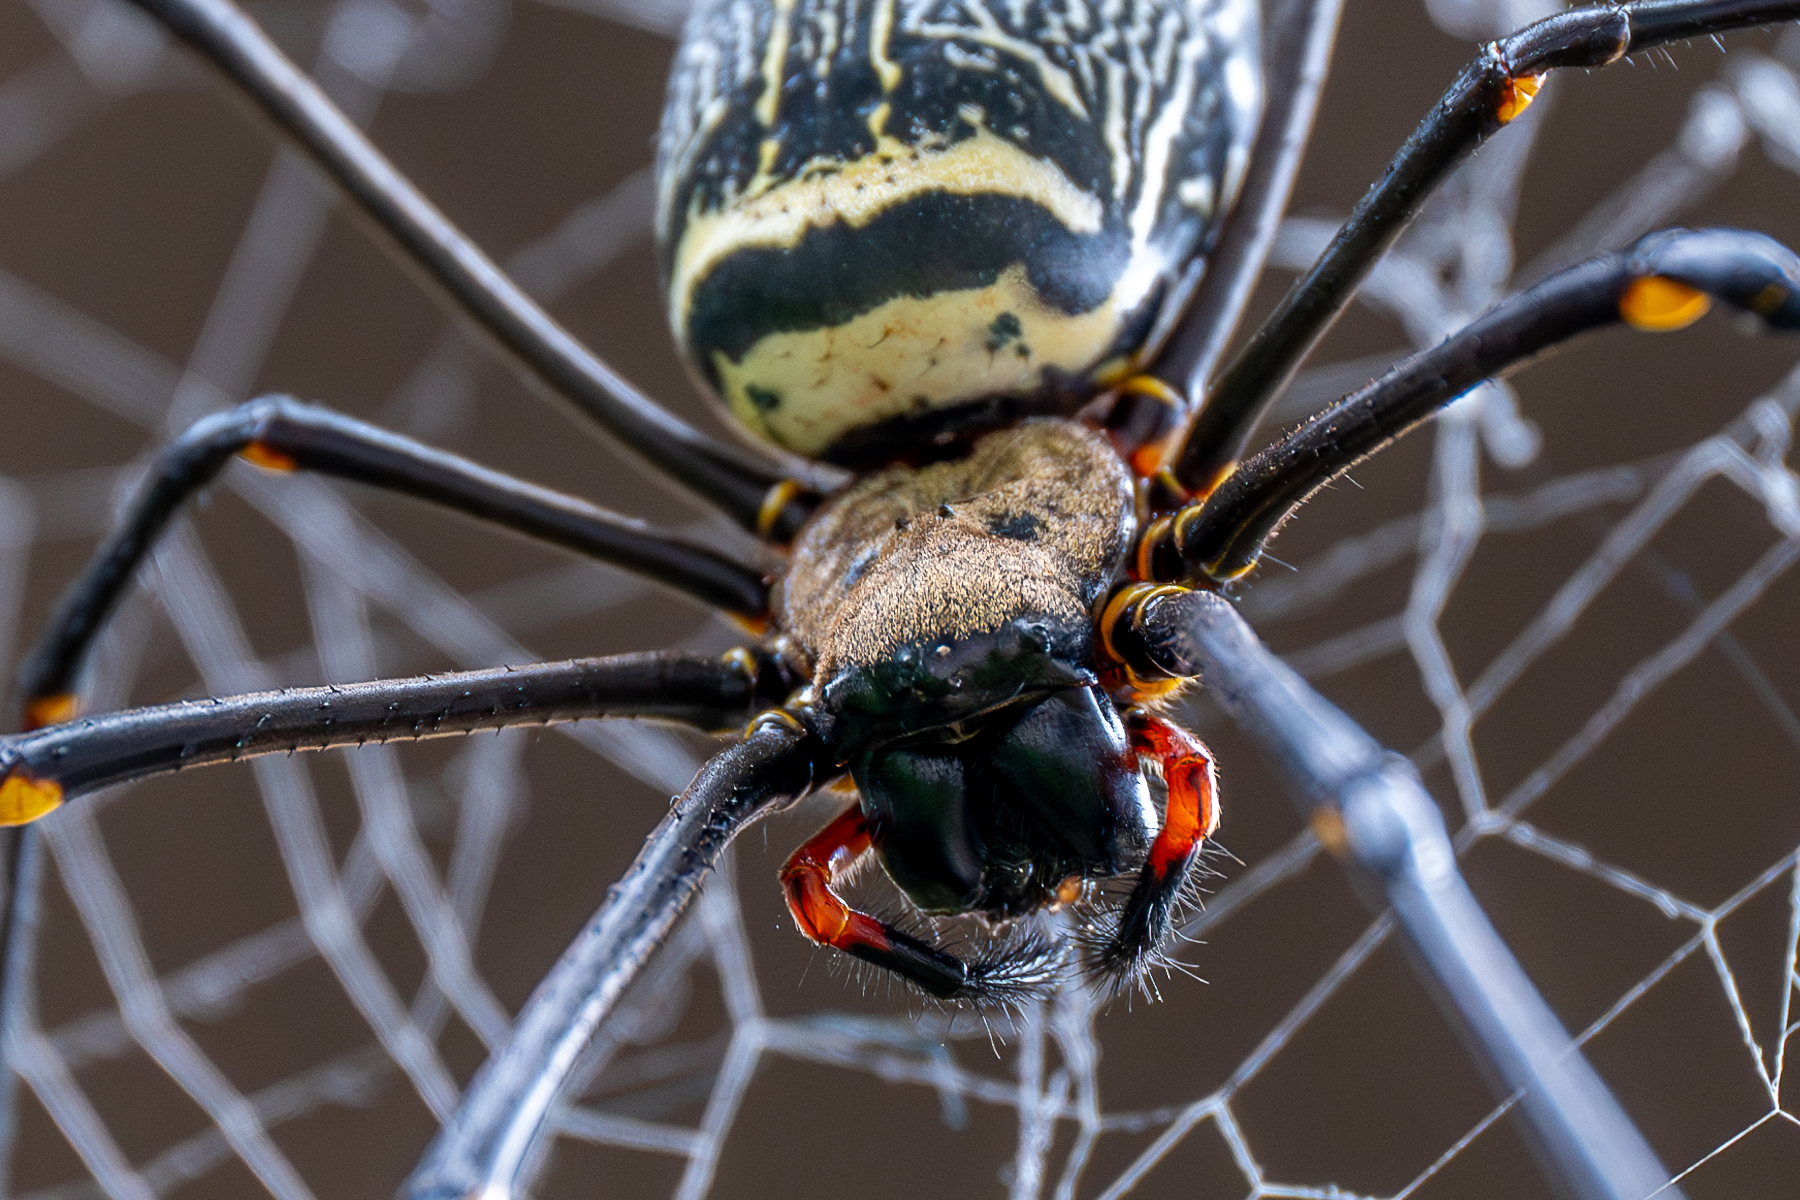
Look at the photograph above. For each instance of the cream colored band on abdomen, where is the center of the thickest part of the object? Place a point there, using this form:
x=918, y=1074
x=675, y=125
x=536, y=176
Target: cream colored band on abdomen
x=858, y=192
x=910, y=355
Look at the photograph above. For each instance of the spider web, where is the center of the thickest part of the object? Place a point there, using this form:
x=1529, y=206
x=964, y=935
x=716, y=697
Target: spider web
x=278, y=977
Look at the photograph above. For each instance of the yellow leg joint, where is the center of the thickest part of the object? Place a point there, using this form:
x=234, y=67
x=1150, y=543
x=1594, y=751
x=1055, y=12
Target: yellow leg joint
x=754, y=626
x=1142, y=428
x=1656, y=305
x=1123, y=613
x=1328, y=826
x=1154, y=536
x=774, y=504
x=23, y=799
x=743, y=660
x=1207, y=487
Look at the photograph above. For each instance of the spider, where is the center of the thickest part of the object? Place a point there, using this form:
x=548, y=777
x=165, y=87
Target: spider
x=998, y=746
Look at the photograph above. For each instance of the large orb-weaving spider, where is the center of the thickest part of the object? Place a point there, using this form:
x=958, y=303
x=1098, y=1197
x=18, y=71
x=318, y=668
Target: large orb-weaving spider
x=274, y=459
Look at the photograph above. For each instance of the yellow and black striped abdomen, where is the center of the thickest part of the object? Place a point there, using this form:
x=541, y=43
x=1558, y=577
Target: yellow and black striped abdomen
x=883, y=222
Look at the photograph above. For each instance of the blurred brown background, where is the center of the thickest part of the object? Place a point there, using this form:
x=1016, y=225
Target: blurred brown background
x=128, y=187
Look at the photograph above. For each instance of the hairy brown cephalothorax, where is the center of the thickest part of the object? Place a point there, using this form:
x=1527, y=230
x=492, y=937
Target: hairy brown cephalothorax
x=947, y=613
x=1035, y=521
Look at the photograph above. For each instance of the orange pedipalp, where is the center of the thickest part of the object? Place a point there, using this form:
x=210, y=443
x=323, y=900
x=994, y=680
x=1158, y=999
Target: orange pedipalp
x=1193, y=806
x=807, y=880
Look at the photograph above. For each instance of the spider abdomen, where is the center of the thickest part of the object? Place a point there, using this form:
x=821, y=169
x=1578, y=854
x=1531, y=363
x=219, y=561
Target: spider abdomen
x=886, y=220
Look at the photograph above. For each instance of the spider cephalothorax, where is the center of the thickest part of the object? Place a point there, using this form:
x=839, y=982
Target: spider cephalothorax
x=947, y=614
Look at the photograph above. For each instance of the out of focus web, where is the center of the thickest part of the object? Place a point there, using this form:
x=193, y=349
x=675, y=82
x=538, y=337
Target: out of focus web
x=648, y=1078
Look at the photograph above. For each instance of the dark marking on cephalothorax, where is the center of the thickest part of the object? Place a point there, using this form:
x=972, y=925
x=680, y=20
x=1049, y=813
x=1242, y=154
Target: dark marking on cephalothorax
x=1019, y=526
x=764, y=399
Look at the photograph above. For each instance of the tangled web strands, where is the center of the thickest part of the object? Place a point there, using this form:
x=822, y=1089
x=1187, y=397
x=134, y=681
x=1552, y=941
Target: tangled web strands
x=1565, y=602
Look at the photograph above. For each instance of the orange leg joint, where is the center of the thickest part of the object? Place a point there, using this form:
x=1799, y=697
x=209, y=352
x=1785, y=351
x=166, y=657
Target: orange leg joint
x=1654, y=304
x=24, y=798
x=268, y=458
x=51, y=710
x=1146, y=414
x=1517, y=96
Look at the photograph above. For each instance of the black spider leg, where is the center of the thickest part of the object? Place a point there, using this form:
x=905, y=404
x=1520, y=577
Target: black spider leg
x=489, y=1144
x=285, y=434
x=1368, y=808
x=42, y=769
x=45, y=768
x=1297, y=42
x=1491, y=90
x=764, y=497
x=1661, y=283
x=18, y=964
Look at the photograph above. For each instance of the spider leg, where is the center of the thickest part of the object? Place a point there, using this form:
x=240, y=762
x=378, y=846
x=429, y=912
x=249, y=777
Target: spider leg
x=822, y=915
x=1191, y=816
x=1367, y=807
x=760, y=495
x=1491, y=91
x=1664, y=282
x=284, y=434
x=1297, y=41
x=484, y=1148
x=41, y=769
